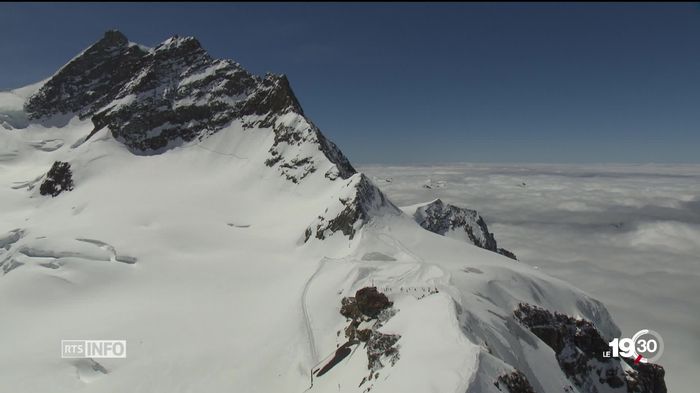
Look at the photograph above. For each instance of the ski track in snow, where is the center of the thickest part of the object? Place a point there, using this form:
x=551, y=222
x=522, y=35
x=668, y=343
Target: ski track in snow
x=307, y=319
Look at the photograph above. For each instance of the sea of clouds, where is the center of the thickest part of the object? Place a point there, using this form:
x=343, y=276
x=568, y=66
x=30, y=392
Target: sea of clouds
x=629, y=235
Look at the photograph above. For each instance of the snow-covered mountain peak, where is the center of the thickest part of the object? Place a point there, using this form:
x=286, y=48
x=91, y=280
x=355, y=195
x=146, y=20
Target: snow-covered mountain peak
x=156, y=99
x=177, y=42
x=247, y=253
x=153, y=100
x=176, y=95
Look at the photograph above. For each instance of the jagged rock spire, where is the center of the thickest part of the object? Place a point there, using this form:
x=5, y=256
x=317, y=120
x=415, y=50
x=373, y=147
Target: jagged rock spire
x=176, y=89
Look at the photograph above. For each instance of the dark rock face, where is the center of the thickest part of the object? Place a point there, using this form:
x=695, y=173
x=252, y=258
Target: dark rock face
x=373, y=308
x=579, y=349
x=349, y=309
x=363, y=198
x=368, y=302
x=155, y=99
x=295, y=169
x=58, y=179
x=646, y=377
x=90, y=80
x=371, y=302
x=506, y=253
x=369, y=308
x=180, y=93
x=515, y=382
x=381, y=345
x=441, y=218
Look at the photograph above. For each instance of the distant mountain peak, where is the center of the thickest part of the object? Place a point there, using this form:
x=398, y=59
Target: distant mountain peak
x=457, y=222
x=177, y=40
x=177, y=46
x=114, y=36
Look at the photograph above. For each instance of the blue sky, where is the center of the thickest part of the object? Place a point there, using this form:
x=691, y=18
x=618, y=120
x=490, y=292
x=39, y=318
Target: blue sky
x=425, y=83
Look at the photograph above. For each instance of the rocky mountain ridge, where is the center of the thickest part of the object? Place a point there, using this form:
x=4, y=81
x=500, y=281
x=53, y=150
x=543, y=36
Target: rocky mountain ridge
x=458, y=222
x=152, y=100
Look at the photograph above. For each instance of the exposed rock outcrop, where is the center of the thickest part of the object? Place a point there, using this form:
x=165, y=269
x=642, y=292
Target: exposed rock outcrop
x=645, y=378
x=358, y=200
x=292, y=136
x=89, y=81
x=367, y=301
x=514, y=382
x=366, y=312
x=579, y=348
x=58, y=179
x=454, y=221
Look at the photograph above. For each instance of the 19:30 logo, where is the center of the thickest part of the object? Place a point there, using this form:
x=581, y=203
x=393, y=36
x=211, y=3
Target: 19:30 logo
x=644, y=347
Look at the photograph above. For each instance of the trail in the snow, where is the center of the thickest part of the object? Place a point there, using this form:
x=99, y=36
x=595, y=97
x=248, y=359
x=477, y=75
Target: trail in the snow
x=305, y=311
x=398, y=244
x=199, y=144
x=307, y=322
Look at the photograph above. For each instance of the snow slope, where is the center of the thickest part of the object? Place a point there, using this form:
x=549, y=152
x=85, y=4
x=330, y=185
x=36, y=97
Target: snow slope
x=225, y=269
x=12, y=113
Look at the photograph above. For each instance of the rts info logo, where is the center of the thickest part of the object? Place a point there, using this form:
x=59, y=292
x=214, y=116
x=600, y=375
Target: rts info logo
x=96, y=349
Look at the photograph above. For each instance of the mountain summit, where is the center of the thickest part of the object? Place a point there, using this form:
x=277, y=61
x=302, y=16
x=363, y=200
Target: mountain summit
x=178, y=202
x=152, y=100
x=155, y=99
